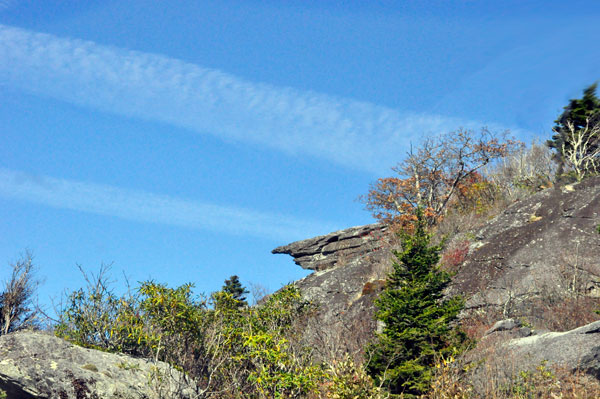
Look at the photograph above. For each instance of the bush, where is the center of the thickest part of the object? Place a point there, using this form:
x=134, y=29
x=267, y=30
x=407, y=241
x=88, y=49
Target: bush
x=91, y=314
x=347, y=380
x=455, y=255
x=237, y=352
x=451, y=382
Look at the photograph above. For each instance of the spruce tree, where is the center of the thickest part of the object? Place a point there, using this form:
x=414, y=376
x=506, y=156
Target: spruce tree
x=236, y=289
x=418, y=320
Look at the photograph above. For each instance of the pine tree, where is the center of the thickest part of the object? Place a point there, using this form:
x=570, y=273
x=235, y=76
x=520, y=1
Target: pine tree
x=236, y=289
x=418, y=320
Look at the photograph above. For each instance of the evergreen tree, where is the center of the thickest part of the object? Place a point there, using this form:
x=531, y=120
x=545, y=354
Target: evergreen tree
x=418, y=321
x=236, y=289
x=579, y=112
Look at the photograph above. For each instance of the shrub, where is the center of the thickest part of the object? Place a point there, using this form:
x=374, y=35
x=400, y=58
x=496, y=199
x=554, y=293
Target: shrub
x=347, y=380
x=451, y=382
x=455, y=255
x=448, y=381
x=237, y=352
x=91, y=313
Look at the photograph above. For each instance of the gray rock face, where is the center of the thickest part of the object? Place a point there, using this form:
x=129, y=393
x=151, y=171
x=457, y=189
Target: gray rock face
x=577, y=350
x=335, y=249
x=40, y=365
x=544, y=245
x=350, y=267
x=504, y=325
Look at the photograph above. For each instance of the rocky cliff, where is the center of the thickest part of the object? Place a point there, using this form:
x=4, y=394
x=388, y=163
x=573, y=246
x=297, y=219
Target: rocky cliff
x=350, y=267
x=534, y=255
x=537, y=261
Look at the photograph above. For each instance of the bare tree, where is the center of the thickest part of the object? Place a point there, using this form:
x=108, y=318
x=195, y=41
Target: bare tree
x=582, y=153
x=430, y=177
x=258, y=292
x=526, y=169
x=17, y=310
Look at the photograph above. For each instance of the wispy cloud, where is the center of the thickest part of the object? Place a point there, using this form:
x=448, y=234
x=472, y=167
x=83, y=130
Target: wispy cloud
x=153, y=208
x=4, y=4
x=355, y=134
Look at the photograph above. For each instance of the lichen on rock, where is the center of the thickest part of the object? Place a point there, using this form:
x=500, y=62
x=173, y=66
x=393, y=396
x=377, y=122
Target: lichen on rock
x=40, y=365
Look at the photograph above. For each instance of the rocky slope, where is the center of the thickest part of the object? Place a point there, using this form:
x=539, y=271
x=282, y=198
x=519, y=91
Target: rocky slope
x=540, y=255
x=510, y=348
x=539, y=250
x=577, y=350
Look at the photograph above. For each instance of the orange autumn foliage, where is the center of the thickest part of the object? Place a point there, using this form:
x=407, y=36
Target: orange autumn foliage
x=442, y=171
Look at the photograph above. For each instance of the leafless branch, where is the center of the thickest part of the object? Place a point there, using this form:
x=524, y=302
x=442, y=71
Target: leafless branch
x=17, y=310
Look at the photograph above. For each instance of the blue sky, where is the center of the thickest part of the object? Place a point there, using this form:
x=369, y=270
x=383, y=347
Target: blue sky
x=182, y=141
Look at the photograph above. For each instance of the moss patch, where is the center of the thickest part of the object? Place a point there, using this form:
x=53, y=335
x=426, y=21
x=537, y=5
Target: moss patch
x=90, y=367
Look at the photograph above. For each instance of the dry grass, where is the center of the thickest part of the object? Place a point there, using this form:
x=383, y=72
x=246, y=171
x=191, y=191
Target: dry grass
x=563, y=313
x=476, y=324
x=543, y=382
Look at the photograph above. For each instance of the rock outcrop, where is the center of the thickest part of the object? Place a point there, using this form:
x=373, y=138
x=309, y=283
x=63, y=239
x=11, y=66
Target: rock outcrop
x=350, y=267
x=335, y=249
x=543, y=246
x=504, y=353
x=40, y=365
x=577, y=350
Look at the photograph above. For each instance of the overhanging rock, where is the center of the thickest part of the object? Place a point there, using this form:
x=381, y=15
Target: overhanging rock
x=350, y=267
x=334, y=249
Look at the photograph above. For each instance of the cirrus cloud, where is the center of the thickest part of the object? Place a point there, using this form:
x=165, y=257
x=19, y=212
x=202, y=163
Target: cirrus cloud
x=358, y=135
x=142, y=206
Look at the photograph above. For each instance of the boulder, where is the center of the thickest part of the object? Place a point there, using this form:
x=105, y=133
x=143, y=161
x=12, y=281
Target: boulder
x=502, y=358
x=40, y=365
